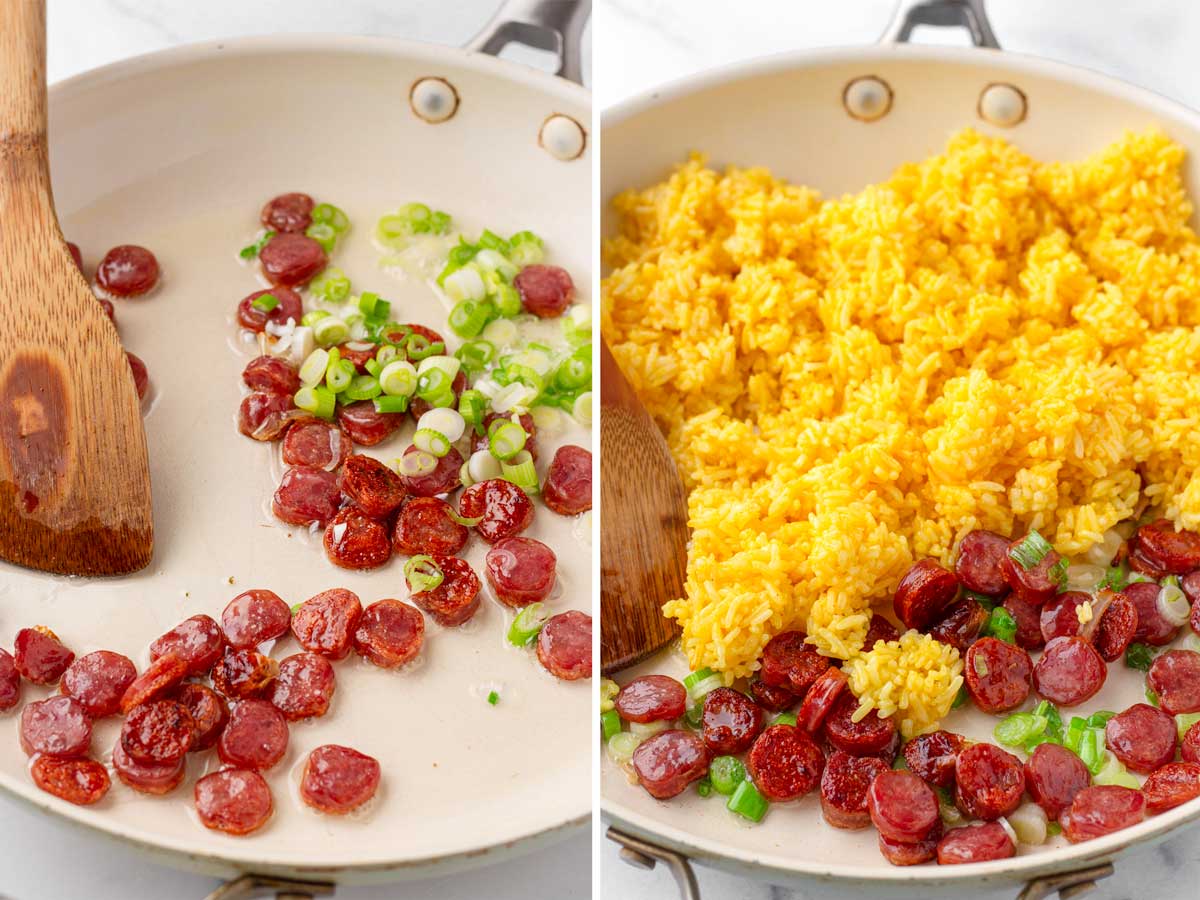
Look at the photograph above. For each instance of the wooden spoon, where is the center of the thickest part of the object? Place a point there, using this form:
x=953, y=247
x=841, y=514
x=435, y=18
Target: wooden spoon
x=74, y=477
x=643, y=526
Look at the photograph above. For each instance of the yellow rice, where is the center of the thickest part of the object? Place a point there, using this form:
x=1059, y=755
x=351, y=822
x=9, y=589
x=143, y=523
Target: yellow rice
x=984, y=341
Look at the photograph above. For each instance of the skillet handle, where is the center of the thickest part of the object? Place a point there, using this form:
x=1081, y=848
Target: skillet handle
x=968, y=14
x=1066, y=885
x=248, y=886
x=644, y=855
x=553, y=25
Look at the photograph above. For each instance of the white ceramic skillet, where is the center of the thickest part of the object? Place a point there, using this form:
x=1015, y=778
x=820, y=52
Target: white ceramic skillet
x=178, y=151
x=809, y=118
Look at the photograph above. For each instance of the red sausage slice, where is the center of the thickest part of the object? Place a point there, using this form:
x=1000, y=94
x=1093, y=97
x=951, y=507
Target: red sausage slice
x=997, y=675
x=902, y=853
x=1175, y=552
x=368, y=427
x=79, y=781
x=503, y=508
x=244, y=673
x=1028, y=617
x=10, y=681
x=568, y=486
x=924, y=593
x=76, y=254
x=159, y=732
x=389, y=634
x=289, y=308
x=198, y=641
x=932, y=757
x=546, y=291
x=339, y=779
x=1069, y=671
x=1118, y=625
x=1037, y=585
x=58, y=726
x=127, y=271
x=316, y=443
x=788, y=662
x=902, y=806
x=325, y=623
x=426, y=525
x=1189, y=747
x=730, y=721
x=40, y=656
x=255, y=617
x=270, y=375
x=456, y=599
x=256, y=736
x=776, y=699
x=844, y=786
x=292, y=259
x=235, y=801
x=652, y=698
x=1175, y=677
x=304, y=687
x=1053, y=776
x=353, y=540
x=141, y=376
x=521, y=571
x=564, y=646
x=148, y=778
x=962, y=624
x=1172, y=785
x=989, y=782
x=1101, y=810
x=161, y=678
x=785, y=763
x=669, y=761
x=820, y=700
x=1190, y=584
x=371, y=486
x=306, y=496
x=287, y=212
x=980, y=563
x=264, y=416
x=1152, y=628
x=870, y=736
x=880, y=629
x=975, y=843
x=98, y=681
x=444, y=477
x=209, y=712
x=1141, y=737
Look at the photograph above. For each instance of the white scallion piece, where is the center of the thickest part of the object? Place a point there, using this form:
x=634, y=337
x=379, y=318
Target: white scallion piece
x=582, y=410
x=501, y=332
x=1173, y=604
x=303, y=343
x=448, y=364
x=1012, y=831
x=464, y=284
x=534, y=359
x=546, y=418
x=482, y=466
x=491, y=261
x=645, y=730
x=312, y=370
x=444, y=421
x=513, y=397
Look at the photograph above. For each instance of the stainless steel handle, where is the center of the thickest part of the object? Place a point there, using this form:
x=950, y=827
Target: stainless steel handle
x=968, y=14
x=553, y=25
x=248, y=886
x=1068, y=885
x=644, y=855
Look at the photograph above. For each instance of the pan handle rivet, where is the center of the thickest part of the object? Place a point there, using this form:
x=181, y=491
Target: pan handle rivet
x=433, y=99
x=1003, y=105
x=867, y=98
x=562, y=137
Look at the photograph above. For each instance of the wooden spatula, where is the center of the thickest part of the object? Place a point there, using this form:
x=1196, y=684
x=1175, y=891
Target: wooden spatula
x=643, y=526
x=74, y=477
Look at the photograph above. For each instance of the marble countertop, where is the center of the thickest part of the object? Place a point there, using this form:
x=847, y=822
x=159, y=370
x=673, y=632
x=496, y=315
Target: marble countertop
x=1150, y=43
x=42, y=858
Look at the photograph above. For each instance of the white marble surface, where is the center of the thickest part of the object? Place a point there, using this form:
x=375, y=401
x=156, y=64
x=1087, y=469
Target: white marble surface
x=1151, y=43
x=40, y=858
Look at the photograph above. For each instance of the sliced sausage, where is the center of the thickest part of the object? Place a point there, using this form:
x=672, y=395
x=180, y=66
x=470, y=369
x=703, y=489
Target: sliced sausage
x=785, y=763
x=503, y=509
x=235, y=801
x=564, y=645
x=844, y=786
x=1069, y=671
x=880, y=629
x=902, y=806
x=79, y=781
x=980, y=563
x=567, y=489
x=358, y=353
x=244, y=673
x=1118, y=625
x=271, y=375
x=456, y=599
x=1141, y=737
x=291, y=259
x=1143, y=565
x=445, y=477
x=962, y=624
x=389, y=633
x=353, y=540
x=40, y=656
x=158, y=732
x=1053, y=776
x=265, y=416
x=304, y=687
x=730, y=721
x=209, y=712
x=1029, y=621
x=426, y=525
x=256, y=736
x=652, y=698
x=1175, y=677
x=1037, y=585
x=161, y=678
x=76, y=254
x=287, y=213
x=10, y=681
x=325, y=623
x=371, y=486
x=1102, y=809
x=521, y=571
x=141, y=375
x=776, y=699
x=314, y=442
x=932, y=757
x=1152, y=628
x=546, y=291
x=290, y=308
x=870, y=736
x=788, y=662
x=98, y=681
x=339, y=779
x=1175, y=552
x=127, y=271
x=1189, y=747
x=975, y=843
x=924, y=594
x=148, y=778
x=989, y=782
x=820, y=700
x=669, y=761
x=367, y=426
x=306, y=496
x=198, y=641
x=903, y=853
x=1172, y=785
x=58, y=726
x=997, y=675
x=254, y=617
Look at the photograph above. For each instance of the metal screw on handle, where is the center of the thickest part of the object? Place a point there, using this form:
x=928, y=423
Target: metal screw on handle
x=968, y=14
x=248, y=886
x=644, y=855
x=553, y=25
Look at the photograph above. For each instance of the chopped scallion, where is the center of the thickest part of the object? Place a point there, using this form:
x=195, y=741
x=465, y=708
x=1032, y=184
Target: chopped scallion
x=323, y=234
x=265, y=302
x=1139, y=656
x=398, y=379
x=1002, y=625
x=1030, y=551
x=726, y=773
x=528, y=624
x=431, y=442
x=422, y=574
x=747, y=802
x=520, y=471
x=507, y=440
x=387, y=404
x=330, y=286
x=493, y=698
x=786, y=718
x=610, y=723
x=252, y=250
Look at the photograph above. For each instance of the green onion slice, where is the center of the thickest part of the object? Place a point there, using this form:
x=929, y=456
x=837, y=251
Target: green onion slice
x=465, y=521
x=339, y=375
x=265, y=302
x=786, y=718
x=422, y=574
x=701, y=683
x=528, y=623
x=330, y=330
x=387, y=404
x=330, y=286
x=252, y=250
x=319, y=401
x=610, y=723
x=747, y=802
x=398, y=379
x=493, y=697
x=1030, y=551
x=507, y=440
x=431, y=442
x=520, y=471
x=313, y=369
x=1139, y=656
x=414, y=465
x=1002, y=625
x=726, y=773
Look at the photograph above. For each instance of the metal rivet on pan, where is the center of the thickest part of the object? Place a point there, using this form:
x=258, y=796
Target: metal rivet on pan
x=867, y=98
x=433, y=99
x=562, y=137
x=1003, y=105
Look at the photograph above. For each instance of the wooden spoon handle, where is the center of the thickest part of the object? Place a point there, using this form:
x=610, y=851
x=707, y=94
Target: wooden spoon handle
x=24, y=158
